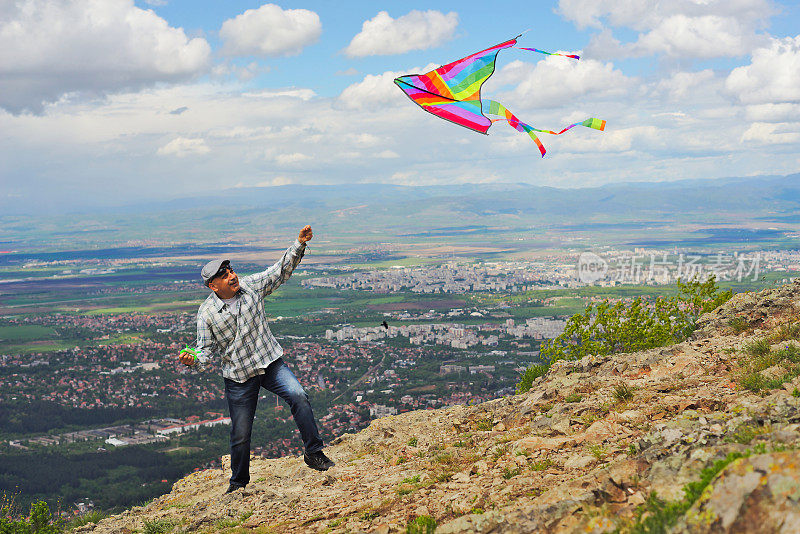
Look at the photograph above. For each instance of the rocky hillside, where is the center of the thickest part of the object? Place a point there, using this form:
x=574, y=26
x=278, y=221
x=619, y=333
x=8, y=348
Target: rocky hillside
x=588, y=449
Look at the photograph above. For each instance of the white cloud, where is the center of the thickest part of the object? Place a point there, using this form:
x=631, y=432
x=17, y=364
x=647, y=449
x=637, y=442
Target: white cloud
x=270, y=31
x=604, y=46
x=772, y=133
x=372, y=91
x=364, y=140
x=240, y=72
x=773, y=112
x=643, y=15
x=184, y=146
x=291, y=159
x=376, y=90
x=680, y=84
x=706, y=36
x=772, y=76
x=418, y=30
x=299, y=93
x=556, y=80
x=278, y=180
x=54, y=48
x=678, y=28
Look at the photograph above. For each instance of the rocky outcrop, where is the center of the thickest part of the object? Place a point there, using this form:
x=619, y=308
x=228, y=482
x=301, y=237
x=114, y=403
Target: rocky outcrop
x=756, y=494
x=581, y=452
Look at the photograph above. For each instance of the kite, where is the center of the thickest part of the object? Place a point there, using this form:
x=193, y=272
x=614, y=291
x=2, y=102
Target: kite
x=453, y=92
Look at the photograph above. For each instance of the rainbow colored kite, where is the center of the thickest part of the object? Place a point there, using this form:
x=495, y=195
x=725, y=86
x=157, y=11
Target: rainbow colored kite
x=453, y=92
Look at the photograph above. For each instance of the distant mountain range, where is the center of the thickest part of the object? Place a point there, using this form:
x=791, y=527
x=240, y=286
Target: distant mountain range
x=417, y=212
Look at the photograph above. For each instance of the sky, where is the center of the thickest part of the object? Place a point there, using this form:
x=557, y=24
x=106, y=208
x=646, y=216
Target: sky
x=126, y=101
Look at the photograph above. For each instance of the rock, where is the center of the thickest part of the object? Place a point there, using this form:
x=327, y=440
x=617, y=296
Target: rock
x=579, y=462
x=472, y=524
x=461, y=477
x=756, y=494
x=636, y=499
x=561, y=425
x=670, y=436
x=535, y=443
x=631, y=416
x=604, y=429
x=421, y=510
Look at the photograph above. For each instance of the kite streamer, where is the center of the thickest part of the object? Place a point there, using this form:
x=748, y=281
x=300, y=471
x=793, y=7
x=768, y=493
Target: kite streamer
x=573, y=56
x=453, y=92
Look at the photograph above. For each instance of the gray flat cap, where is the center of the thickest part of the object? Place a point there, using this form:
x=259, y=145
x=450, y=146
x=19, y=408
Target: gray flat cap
x=211, y=268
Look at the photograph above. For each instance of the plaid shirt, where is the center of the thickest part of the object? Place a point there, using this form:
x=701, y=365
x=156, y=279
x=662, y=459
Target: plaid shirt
x=244, y=340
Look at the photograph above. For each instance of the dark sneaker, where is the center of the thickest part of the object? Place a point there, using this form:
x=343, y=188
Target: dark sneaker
x=318, y=460
x=232, y=488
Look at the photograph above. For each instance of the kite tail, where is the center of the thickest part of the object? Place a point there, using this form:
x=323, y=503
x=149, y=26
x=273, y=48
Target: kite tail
x=572, y=56
x=493, y=107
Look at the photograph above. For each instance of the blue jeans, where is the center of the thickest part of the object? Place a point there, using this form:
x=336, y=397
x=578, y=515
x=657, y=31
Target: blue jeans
x=242, y=400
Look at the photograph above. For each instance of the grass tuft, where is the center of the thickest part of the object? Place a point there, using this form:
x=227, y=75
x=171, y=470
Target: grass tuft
x=541, y=465
x=423, y=524
x=509, y=473
x=757, y=348
x=787, y=332
x=739, y=325
x=158, y=526
x=623, y=393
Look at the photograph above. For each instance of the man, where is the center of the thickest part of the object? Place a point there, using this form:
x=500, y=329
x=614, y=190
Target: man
x=232, y=322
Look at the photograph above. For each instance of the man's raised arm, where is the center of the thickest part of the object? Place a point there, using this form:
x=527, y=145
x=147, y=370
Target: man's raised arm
x=267, y=281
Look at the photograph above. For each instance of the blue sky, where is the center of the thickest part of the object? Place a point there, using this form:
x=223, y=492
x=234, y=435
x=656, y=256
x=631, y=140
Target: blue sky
x=116, y=101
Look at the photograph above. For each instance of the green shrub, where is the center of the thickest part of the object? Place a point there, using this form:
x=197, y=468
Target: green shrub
x=39, y=520
x=604, y=328
x=531, y=373
x=423, y=524
x=573, y=397
x=81, y=520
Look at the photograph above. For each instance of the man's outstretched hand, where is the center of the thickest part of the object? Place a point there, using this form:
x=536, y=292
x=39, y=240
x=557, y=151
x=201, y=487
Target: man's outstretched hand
x=305, y=234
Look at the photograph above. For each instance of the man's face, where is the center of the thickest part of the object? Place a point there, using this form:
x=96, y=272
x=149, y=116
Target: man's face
x=225, y=284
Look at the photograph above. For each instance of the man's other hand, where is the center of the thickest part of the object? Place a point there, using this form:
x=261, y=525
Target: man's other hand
x=186, y=358
x=305, y=234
